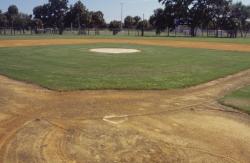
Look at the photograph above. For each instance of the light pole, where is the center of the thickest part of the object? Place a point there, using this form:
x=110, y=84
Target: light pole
x=121, y=14
x=142, y=31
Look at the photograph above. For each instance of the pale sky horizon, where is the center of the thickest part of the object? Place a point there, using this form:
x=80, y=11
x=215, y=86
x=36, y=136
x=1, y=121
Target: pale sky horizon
x=110, y=8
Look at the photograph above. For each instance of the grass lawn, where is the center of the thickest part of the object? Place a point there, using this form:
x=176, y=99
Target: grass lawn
x=239, y=99
x=73, y=67
x=74, y=36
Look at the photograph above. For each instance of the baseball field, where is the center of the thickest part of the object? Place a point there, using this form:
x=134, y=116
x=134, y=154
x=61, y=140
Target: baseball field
x=175, y=100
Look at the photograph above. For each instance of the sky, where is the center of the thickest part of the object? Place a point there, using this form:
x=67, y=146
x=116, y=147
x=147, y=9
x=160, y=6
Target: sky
x=110, y=8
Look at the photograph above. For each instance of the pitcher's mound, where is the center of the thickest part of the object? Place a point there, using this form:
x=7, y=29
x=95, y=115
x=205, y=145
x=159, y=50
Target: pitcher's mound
x=114, y=50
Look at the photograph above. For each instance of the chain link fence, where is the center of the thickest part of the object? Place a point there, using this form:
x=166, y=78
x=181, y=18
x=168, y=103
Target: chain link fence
x=179, y=32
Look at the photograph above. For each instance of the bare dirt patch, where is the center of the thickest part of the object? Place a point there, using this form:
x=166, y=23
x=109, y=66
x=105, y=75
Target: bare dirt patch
x=114, y=50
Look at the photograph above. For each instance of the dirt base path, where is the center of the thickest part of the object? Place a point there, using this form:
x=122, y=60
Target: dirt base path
x=38, y=125
x=170, y=43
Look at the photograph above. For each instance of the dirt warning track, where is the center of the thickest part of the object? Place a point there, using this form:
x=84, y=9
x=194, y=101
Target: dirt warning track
x=170, y=43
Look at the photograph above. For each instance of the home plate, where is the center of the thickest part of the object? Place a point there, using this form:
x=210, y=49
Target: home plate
x=114, y=50
x=115, y=119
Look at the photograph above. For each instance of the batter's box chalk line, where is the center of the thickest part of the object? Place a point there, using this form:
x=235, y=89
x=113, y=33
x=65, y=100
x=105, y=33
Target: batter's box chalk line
x=115, y=119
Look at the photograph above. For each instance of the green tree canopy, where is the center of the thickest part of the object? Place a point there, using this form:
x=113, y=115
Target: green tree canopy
x=12, y=10
x=129, y=22
x=115, y=26
x=158, y=20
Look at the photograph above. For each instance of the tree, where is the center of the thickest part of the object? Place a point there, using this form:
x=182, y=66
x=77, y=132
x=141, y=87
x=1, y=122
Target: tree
x=196, y=13
x=52, y=13
x=115, y=26
x=97, y=19
x=137, y=19
x=129, y=23
x=170, y=18
x=89, y=20
x=158, y=20
x=36, y=24
x=57, y=12
x=179, y=10
x=12, y=10
x=77, y=16
x=3, y=22
x=142, y=25
x=247, y=27
x=43, y=13
x=22, y=21
x=186, y=12
x=11, y=15
x=240, y=13
x=218, y=12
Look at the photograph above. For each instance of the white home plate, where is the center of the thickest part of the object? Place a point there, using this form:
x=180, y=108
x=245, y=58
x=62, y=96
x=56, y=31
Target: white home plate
x=114, y=50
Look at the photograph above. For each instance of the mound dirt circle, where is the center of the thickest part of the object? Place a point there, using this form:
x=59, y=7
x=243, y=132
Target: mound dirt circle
x=114, y=50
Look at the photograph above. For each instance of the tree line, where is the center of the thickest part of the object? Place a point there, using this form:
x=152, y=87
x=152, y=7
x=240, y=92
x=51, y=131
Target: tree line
x=203, y=14
x=12, y=18
x=56, y=15
x=130, y=23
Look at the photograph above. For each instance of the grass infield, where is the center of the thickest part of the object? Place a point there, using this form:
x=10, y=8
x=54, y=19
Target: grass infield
x=73, y=67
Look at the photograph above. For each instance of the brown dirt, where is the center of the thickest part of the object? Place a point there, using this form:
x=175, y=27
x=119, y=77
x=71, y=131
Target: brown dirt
x=170, y=43
x=188, y=125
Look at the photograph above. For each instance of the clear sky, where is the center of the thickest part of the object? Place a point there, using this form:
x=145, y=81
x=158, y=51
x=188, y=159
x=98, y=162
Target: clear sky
x=110, y=8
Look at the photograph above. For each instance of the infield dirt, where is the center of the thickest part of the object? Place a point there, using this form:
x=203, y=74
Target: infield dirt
x=188, y=125
x=170, y=43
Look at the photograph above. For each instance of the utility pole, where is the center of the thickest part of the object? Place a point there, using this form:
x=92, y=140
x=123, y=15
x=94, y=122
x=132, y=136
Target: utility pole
x=142, y=31
x=79, y=25
x=121, y=14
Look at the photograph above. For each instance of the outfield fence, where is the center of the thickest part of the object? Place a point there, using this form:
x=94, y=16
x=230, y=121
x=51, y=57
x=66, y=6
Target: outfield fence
x=180, y=32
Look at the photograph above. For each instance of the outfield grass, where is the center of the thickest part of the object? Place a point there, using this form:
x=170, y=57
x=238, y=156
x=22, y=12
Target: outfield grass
x=74, y=67
x=69, y=36
x=239, y=99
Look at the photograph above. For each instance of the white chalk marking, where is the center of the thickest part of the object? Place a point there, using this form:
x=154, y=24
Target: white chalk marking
x=109, y=118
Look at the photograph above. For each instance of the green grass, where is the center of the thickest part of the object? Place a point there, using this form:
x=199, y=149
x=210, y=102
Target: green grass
x=70, y=36
x=74, y=67
x=239, y=99
x=211, y=39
